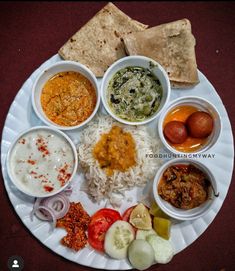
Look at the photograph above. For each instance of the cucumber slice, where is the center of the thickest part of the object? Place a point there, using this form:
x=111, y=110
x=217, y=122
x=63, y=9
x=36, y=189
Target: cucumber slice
x=142, y=234
x=163, y=250
x=117, y=239
x=140, y=254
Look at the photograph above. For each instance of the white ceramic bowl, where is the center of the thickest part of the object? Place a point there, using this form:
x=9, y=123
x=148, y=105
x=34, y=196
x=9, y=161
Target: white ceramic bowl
x=178, y=213
x=46, y=74
x=201, y=104
x=11, y=159
x=139, y=61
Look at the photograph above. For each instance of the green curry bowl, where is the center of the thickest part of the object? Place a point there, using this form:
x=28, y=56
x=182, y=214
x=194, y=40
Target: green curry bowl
x=135, y=89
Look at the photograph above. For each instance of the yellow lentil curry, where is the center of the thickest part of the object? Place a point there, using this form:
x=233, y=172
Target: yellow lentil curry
x=115, y=150
x=68, y=98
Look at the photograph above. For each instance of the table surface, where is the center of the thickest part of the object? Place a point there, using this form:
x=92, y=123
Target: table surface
x=30, y=33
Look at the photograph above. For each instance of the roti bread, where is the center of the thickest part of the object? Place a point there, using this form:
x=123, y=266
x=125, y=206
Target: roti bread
x=173, y=46
x=98, y=43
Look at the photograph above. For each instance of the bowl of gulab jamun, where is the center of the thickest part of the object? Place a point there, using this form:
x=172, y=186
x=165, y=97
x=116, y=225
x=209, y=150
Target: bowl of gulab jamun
x=189, y=125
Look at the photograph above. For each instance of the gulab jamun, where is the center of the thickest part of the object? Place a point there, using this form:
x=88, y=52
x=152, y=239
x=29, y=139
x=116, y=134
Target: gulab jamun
x=175, y=132
x=200, y=124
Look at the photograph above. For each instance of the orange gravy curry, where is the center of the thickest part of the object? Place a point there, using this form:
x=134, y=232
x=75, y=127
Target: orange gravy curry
x=115, y=150
x=68, y=98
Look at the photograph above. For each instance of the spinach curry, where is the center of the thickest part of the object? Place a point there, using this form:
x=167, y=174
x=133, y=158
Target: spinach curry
x=134, y=93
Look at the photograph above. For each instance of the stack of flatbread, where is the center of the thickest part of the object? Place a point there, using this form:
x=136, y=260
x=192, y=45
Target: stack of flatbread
x=98, y=43
x=111, y=35
x=173, y=46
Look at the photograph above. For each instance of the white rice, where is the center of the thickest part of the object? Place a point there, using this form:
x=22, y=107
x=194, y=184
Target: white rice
x=100, y=186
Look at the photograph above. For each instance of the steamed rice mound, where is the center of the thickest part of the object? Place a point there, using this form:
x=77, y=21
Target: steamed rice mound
x=99, y=185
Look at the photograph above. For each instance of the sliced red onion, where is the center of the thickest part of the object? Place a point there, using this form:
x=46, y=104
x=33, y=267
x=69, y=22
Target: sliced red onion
x=59, y=204
x=44, y=213
x=41, y=213
x=35, y=207
x=68, y=190
x=51, y=208
x=48, y=211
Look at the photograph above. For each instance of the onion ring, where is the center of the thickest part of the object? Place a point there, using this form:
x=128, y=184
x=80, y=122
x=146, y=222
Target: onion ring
x=51, y=208
x=59, y=204
x=35, y=206
x=68, y=190
x=53, y=218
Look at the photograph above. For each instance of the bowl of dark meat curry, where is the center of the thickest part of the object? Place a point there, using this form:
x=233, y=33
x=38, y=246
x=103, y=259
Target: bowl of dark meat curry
x=185, y=189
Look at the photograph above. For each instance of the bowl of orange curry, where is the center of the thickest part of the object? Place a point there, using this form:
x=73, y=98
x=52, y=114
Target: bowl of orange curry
x=65, y=95
x=185, y=189
x=189, y=125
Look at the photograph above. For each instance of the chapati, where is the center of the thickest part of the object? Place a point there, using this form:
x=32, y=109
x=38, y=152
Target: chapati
x=98, y=43
x=172, y=45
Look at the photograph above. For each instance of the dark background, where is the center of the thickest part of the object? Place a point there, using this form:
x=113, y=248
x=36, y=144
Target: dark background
x=30, y=33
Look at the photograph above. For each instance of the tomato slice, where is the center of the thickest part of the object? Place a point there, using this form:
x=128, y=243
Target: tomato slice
x=126, y=216
x=106, y=214
x=127, y=213
x=96, y=234
x=100, y=223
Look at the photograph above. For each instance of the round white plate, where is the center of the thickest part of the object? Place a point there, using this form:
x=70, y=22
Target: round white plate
x=21, y=117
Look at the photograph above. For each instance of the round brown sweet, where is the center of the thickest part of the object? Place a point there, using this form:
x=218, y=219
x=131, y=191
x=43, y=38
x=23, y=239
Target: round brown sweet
x=200, y=124
x=175, y=132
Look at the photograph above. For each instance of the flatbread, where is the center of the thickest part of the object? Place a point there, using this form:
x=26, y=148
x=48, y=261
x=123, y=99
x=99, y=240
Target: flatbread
x=172, y=45
x=98, y=43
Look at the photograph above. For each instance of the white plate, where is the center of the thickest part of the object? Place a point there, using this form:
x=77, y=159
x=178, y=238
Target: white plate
x=21, y=117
